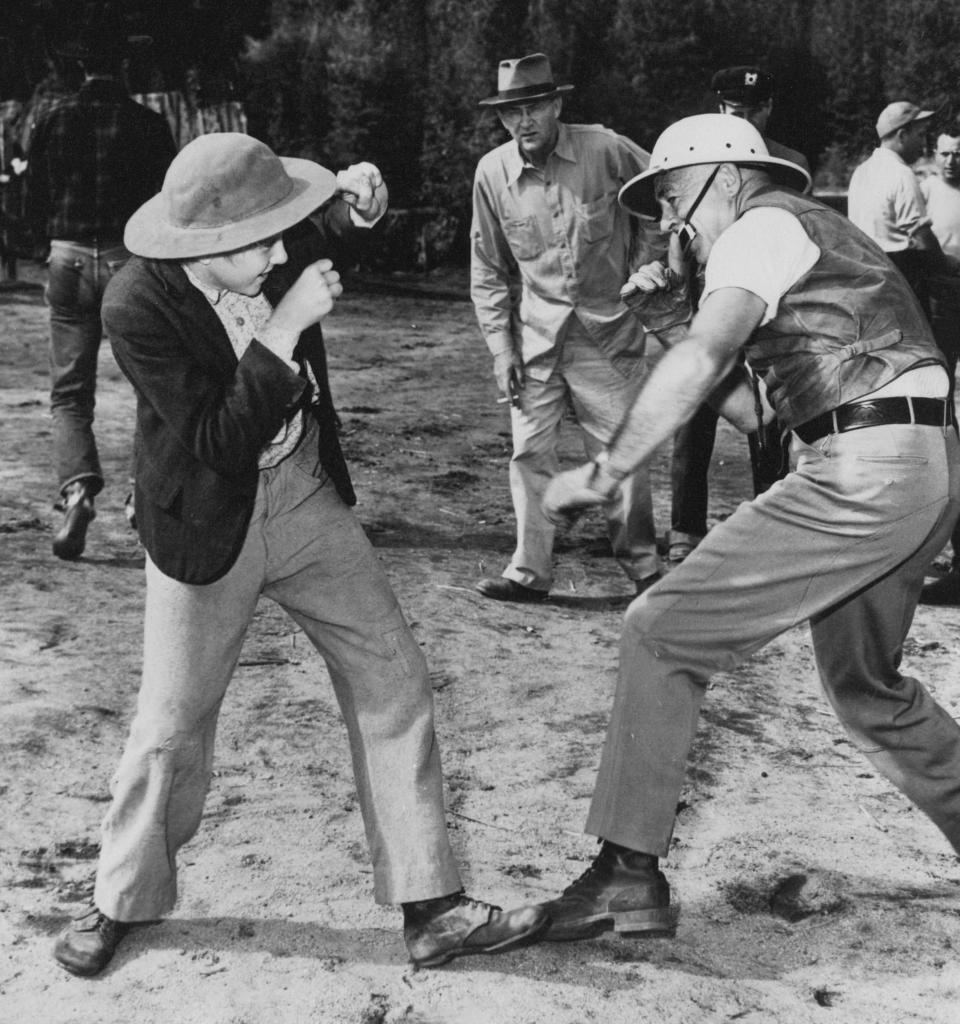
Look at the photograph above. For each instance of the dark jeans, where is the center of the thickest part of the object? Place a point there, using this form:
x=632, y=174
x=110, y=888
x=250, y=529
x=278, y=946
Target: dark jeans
x=692, y=449
x=77, y=277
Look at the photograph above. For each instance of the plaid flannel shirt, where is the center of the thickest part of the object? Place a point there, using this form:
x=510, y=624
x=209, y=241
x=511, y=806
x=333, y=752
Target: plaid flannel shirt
x=94, y=158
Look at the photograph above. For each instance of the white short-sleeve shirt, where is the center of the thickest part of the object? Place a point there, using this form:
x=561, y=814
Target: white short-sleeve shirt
x=765, y=252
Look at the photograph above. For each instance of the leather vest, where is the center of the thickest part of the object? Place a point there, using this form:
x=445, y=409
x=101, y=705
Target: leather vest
x=847, y=327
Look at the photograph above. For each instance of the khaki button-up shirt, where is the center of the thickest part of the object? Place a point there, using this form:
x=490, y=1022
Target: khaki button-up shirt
x=560, y=234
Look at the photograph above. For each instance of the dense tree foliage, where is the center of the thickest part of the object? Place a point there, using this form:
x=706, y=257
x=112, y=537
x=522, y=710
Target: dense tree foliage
x=397, y=81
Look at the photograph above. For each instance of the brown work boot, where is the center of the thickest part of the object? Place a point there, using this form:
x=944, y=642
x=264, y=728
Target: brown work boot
x=622, y=890
x=78, y=513
x=88, y=945
x=440, y=929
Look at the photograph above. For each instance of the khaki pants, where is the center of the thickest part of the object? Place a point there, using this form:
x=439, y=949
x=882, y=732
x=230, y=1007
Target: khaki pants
x=585, y=380
x=306, y=551
x=843, y=542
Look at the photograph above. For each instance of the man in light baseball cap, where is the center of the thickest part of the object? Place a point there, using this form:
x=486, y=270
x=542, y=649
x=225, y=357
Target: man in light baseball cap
x=885, y=201
x=242, y=490
x=798, y=299
x=900, y=114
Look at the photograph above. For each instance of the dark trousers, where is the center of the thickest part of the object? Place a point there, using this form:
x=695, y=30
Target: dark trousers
x=692, y=450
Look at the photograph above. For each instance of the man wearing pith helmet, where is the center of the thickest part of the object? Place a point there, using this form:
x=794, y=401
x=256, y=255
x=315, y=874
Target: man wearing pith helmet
x=550, y=249
x=838, y=346
x=242, y=490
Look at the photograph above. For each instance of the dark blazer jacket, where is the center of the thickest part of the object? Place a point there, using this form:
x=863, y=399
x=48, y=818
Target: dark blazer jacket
x=203, y=416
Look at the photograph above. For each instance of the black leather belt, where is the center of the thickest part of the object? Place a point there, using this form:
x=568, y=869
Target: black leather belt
x=928, y=412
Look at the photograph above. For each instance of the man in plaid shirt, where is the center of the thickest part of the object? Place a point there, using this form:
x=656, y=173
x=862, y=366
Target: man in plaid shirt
x=94, y=158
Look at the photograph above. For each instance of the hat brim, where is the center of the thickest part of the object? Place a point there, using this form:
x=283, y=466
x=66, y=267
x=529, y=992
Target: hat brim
x=149, y=232
x=514, y=101
x=637, y=195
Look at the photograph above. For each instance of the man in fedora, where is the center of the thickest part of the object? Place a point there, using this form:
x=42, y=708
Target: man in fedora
x=94, y=157
x=846, y=359
x=549, y=252
x=242, y=490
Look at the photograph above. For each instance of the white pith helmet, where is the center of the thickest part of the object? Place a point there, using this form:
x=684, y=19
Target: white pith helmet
x=706, y=139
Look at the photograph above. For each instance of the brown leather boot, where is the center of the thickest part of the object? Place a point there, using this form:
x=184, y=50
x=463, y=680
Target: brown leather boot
x=622, y=890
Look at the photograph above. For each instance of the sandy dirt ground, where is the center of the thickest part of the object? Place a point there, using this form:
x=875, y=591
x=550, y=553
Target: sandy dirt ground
x=807, y=888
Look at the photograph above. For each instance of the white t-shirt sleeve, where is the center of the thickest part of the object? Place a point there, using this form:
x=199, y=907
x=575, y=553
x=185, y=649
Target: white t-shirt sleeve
x=765, y=252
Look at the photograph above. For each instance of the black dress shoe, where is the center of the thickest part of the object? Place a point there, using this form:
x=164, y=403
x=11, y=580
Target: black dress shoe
x=502, y=589
x=622, y=890
x=647, y=582
x=945, y=591
x=436, y=931
x=71, y=538
x=88, y=945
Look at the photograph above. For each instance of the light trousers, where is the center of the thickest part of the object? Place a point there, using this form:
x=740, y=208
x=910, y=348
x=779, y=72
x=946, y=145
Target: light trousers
x=583, y=379
x=305, y=550
x=843, y=542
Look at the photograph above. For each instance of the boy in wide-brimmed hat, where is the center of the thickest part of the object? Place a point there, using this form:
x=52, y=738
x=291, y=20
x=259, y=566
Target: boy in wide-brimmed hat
x=242, y=490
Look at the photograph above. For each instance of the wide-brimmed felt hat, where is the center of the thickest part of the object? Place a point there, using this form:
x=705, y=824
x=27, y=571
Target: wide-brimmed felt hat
x=707, y=139
x=222, y=192
x=524, y=78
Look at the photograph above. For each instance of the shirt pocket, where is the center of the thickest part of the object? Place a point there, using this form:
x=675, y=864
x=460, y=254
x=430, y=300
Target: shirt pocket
x=596, y=218
x=523, y=237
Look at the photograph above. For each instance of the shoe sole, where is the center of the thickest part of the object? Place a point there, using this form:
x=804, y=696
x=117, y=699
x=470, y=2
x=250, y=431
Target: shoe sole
x=655, y=922
x=512, y=600
x=528, y=937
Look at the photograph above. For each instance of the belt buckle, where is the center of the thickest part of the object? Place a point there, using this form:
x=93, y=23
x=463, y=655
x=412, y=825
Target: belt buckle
x=834, y=422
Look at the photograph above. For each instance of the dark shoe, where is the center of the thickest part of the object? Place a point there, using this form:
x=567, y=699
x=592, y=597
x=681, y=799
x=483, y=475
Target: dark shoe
x=130, y=512
x=647, y=582
x=681, y=549
x=945, y=591
x=439, y=930
x=502, y=589
x=622, y=890
x=88, y=945
x=78, y=514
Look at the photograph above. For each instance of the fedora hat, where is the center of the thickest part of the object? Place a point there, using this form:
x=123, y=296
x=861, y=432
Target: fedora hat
x=522, y=79
x=222, y=192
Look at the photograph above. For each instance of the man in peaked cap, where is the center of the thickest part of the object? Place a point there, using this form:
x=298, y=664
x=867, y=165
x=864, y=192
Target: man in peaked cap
x=841, y=351
x=745, y=91
x=242, y=490
x=549, y=252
